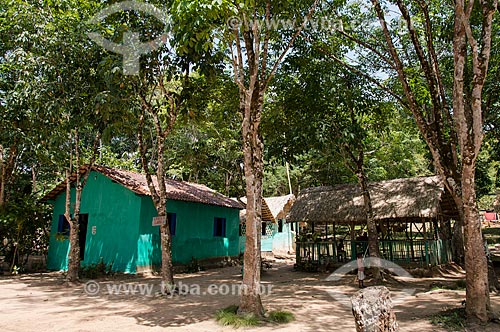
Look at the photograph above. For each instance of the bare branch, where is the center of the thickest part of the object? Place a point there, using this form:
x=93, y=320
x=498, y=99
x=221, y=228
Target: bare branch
x=144, y=162
x=238, y=79
x=426, y=67
x=412, y=104
x=369, y=47
x=434, y=60
x=266, y=44
x=240, y=66
x=93, y=157
x=359, y=72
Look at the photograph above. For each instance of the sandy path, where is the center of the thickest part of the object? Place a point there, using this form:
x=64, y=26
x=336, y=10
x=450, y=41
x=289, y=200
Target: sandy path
x=42, y=303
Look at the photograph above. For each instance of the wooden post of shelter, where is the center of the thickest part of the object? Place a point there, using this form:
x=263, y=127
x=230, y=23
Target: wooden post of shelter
x=327, y=242
x=353, y=242
x=426, y=245
x=336, y=254
x=411, y=242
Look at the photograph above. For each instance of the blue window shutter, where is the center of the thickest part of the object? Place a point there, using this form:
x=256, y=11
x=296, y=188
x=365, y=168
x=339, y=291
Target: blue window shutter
x=60, y=226
x=219, y=226
x=172, y=222
x=63, y=226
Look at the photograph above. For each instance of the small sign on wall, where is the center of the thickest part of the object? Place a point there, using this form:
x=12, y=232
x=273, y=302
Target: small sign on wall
x=158, y=221
x=94, y=230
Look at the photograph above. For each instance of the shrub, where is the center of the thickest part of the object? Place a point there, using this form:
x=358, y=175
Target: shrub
x=280, y=317
x=94, y=271
x=193, y=266
x=451, y=319
x=229, y=316
x=461, y=284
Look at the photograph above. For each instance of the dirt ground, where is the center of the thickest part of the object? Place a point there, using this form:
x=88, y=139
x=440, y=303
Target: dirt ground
x=41, y=302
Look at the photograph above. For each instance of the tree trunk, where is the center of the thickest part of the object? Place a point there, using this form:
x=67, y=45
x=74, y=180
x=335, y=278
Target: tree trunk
x=457, y=241
x=454, y=185
x=74, y=221
x=253, y=81
x=476, y=266
x=7, y=166
x=73, y=264
x=80, y=181
x=74, y=252
x=2, y=177
x=74, y=235
x=468, y=117
x=159, y=195
x=167, y=274
x=373, y=241
x=250, y=301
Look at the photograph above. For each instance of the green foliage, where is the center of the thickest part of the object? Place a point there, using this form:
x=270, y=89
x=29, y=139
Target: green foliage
x=94, y=271
x=344, y=115
x=280, y=317
x=25, y=225
x=451, y=319
x=483, y=180
x=492, y=235
x=458, y=285
x=193, y=266
x=205, y=145
x=229, y=317
x=461, y=284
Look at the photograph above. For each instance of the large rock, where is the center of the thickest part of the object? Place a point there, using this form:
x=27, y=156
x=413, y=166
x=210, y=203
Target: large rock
x=372, y=310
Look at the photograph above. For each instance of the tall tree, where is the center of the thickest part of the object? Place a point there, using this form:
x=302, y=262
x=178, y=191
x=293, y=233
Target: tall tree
x=205, y=146
x=347, y=118
x=251, y=56
x=449, y=116
x=81, y=175
x=151, y=98
x=161, y=104
x=159, y=92
x=468, y=116
x=73, y=85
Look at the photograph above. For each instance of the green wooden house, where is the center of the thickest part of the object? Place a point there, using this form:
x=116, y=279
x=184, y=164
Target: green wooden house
x=116, y=223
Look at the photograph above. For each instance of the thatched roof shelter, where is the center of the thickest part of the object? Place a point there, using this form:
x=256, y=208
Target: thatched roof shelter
x=280, y=205
x=410, y=200
x=273, y=208
x=267, y=215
